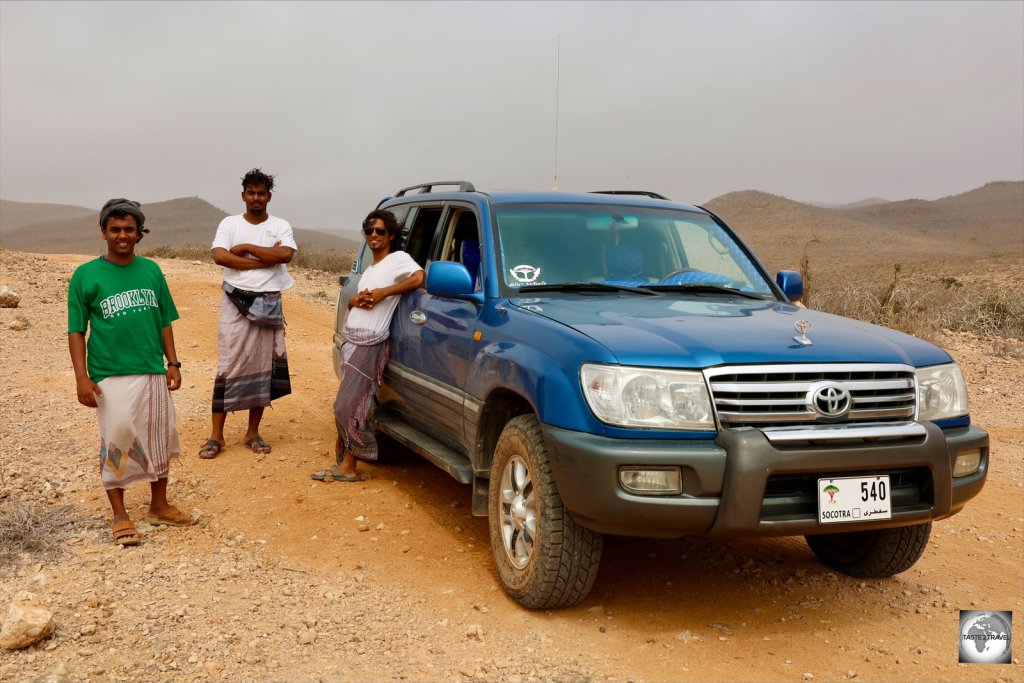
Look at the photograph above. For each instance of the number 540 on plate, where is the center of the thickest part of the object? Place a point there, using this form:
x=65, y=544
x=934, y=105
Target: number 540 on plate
x=854, y=499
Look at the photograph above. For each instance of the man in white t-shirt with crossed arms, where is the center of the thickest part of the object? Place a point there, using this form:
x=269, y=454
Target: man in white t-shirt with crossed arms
x=364, y=351
x=252, y=364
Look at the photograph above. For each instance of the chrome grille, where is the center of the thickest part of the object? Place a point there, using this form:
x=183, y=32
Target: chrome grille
x=783, y=395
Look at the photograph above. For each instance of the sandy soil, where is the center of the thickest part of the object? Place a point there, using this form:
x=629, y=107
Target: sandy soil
x=286, y=579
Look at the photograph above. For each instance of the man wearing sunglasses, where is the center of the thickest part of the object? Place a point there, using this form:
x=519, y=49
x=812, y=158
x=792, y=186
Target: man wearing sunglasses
x=364, y=352
x=252, y=364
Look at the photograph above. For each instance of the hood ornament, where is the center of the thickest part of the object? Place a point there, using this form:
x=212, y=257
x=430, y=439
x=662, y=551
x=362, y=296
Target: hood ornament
x=803, y=327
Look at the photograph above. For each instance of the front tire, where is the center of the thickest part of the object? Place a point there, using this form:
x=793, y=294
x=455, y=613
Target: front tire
x=544, y=559
x=876, y=554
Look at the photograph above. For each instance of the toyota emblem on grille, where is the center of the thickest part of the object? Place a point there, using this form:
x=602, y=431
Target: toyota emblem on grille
x=831, y=400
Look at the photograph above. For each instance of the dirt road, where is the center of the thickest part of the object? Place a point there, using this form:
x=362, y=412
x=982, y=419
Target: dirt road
x=287, y=579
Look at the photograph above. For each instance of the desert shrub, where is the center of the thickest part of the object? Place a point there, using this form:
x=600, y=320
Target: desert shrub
x=190, y=252
x=328, y=260
x=37, y=530
x=805, y=269
x=924, y=306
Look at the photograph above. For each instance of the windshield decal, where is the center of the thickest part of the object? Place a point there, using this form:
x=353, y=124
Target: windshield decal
x=525, y=274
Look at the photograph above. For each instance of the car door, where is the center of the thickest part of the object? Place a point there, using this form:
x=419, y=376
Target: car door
x=432, y=338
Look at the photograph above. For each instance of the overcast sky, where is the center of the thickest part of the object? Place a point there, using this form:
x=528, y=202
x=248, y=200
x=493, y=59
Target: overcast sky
x=346, y=102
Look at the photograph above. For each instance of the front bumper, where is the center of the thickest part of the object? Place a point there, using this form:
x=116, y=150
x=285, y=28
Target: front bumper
x=741, y=484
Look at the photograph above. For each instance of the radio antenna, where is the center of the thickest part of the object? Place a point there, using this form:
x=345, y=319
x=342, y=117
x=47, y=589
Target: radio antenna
x=558, y=75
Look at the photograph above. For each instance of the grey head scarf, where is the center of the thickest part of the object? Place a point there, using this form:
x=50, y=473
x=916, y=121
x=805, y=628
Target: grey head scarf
x=123, y=207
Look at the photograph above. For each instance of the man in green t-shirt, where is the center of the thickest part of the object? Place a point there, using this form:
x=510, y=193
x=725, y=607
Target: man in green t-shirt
x=122, y=300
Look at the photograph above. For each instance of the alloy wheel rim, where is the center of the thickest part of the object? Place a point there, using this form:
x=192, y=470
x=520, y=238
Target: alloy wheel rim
x=517, y=512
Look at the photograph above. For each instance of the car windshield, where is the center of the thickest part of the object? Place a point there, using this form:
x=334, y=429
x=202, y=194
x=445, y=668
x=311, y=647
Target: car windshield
x=627, y=246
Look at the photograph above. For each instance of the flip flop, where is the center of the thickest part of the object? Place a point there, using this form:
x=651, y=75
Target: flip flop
x=334, y=474
x=257, y=445
x=179, y=519
x=124, y=533
x=211, y=449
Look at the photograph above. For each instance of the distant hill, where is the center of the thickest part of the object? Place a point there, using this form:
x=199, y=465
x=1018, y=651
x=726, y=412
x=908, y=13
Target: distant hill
x=16, y=215
x=992, y=214
x=983, y=222
x=62, y=229
x=870, y=201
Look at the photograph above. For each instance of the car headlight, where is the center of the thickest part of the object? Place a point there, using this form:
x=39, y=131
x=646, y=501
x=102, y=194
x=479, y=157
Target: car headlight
x=941, y=392
x=647, y=397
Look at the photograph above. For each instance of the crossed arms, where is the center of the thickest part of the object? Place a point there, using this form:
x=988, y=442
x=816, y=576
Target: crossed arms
x=250, y=257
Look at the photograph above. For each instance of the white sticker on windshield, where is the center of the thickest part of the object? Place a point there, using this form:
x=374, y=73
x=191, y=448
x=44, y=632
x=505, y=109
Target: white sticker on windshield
x=525, y=274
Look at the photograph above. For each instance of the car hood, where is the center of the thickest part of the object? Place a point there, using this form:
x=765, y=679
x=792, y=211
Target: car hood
x=698, y=331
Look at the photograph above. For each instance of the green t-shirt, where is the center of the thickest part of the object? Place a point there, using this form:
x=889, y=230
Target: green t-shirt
x=126, y=308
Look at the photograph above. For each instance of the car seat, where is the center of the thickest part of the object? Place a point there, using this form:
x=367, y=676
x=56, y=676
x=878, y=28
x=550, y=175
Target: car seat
x=623, y=264
x=469, y=249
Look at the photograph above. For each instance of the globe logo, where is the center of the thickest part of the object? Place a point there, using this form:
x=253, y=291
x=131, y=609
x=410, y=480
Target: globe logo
x=985, y=637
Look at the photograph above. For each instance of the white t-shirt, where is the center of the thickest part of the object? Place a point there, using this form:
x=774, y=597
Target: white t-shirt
x=236, y=230
x=393, y=268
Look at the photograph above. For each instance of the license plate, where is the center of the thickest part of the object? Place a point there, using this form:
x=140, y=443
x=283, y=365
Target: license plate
x=854, y=499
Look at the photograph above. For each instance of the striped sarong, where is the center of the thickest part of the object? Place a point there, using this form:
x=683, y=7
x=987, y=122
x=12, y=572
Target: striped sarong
x=252, y=363
x=362, y=366
x=138, y=430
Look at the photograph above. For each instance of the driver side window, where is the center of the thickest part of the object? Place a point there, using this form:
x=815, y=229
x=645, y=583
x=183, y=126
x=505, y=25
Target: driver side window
x=461, y=243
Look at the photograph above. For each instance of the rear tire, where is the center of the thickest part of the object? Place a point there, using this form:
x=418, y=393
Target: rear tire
x=876, y=554
x=544, y=559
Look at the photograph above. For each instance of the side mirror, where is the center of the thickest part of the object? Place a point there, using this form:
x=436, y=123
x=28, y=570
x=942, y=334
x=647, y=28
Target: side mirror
x=343, y=280
x=451, y=279
x=791, y=284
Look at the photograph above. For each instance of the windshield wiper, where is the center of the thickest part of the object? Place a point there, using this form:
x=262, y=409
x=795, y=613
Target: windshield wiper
x=586, y=287
x=708, y=289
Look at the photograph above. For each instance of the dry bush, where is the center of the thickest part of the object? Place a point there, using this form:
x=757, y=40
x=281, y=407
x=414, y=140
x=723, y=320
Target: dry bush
x=327, y=260
x=37, y=530
x=805, y=269
x=190, y=252
x=924, y=306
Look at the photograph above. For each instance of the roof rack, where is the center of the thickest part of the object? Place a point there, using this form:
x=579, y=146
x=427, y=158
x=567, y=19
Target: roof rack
x=464, y=186
x=642, y=193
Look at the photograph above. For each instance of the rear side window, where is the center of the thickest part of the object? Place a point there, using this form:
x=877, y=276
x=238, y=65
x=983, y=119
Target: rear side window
x=365, y=258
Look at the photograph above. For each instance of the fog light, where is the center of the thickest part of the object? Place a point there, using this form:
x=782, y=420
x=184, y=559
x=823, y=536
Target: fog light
x=967, y=462
x=652, y=481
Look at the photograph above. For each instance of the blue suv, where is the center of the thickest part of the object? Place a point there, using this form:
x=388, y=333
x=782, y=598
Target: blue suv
x=617, y=363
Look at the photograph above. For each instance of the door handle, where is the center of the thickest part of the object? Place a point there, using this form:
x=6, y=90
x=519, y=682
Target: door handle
x=417, y=317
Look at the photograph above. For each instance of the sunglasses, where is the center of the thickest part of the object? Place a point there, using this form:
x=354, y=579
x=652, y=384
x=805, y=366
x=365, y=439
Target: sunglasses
x=375, y=231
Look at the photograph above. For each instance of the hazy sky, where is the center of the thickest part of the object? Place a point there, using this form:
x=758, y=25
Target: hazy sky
x=348, y=101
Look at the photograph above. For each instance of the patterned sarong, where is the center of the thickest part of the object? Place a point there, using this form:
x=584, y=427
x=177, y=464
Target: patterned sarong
x=252, y=363
x=362, y=366
x=138, y=430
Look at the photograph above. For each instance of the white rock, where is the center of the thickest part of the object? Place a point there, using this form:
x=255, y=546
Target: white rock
x=28, y=621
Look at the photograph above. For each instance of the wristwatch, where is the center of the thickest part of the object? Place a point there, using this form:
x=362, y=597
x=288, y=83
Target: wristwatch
x=174, y=364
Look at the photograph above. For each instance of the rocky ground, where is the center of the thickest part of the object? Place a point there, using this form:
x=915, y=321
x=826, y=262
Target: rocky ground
x=390, y=579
